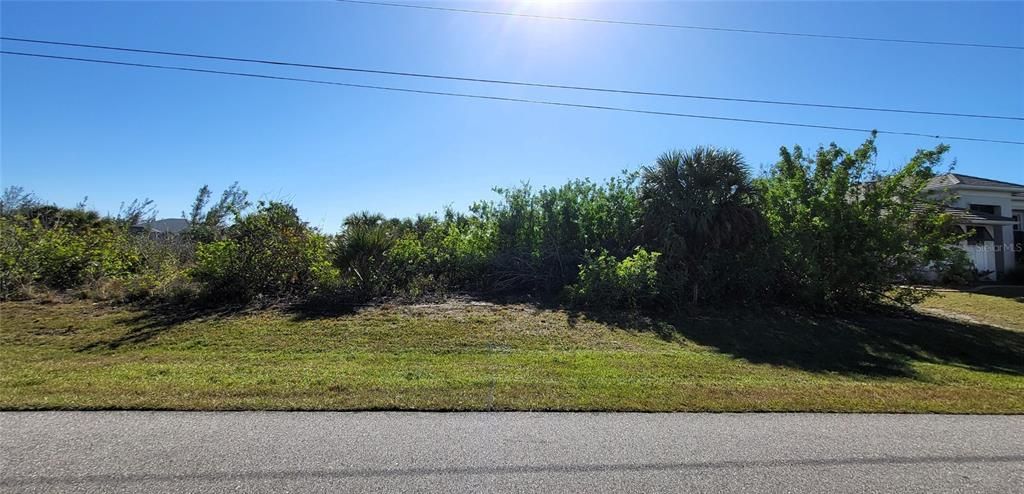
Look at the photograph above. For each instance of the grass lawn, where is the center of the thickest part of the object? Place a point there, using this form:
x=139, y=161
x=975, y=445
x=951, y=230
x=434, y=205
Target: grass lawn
x=1000, y=306
x=476, y=356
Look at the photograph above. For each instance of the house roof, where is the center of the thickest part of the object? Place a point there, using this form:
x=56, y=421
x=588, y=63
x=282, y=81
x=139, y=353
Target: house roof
x=961, y=215
x=967, y=217
x=166, y=225
x=949, y=179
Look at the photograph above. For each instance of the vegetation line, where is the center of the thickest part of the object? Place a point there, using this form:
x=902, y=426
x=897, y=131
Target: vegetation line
x=826, y=230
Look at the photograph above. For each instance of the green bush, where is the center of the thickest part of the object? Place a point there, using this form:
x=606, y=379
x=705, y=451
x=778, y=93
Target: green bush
x=208, y=223
x=268, y=253
x=458, y=251
x=161, y=274
x=607, y=282
x=216, y=263
x=404, y=261
x=360, y=252
x=957, y=269
x=539, y=238
x=383, y=257
x=847, y=234
x=61, y=258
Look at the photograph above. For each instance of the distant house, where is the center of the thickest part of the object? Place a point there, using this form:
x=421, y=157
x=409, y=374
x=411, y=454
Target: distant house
x=992, y=211
x=167, y=227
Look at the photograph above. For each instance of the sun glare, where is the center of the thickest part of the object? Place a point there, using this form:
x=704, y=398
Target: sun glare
x=545, y=7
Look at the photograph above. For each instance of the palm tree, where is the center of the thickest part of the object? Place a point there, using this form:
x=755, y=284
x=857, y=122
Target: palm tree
x=697, y=204
x=362, y=245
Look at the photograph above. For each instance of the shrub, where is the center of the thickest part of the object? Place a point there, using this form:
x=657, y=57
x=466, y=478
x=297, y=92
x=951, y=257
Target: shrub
x=216, y=264
x=404, y=261
x=360, y=252
x=539, y=238
x=269, y=253
x=849, y=235
x=60, y=258
x=380, y=256
x=161, y=273
x=605, y=281
x=18, y=267
x=957, y=269
x=458, y=250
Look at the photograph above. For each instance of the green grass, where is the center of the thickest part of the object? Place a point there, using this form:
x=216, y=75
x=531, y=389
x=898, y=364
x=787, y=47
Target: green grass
x=469, y=356
x=1000, y=306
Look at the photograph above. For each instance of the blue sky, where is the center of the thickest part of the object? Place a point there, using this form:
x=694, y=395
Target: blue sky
x=71, y=130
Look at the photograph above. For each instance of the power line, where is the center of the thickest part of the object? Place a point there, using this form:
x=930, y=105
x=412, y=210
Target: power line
x=511, y=83
x=515, y=100
x=683, y=26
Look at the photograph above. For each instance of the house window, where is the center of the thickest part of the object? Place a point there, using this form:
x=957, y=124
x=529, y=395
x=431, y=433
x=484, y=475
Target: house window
x=984, y=208
x=1018, y=221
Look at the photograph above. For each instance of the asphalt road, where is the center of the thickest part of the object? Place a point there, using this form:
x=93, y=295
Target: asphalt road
x=513, y=452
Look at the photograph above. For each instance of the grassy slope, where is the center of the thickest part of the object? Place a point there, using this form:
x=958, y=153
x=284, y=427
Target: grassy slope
x=479, y=357
x=1005, y=310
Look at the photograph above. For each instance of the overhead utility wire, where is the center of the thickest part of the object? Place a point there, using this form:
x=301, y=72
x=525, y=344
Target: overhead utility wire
x=507, y=82
x=684, y=26
x=516, y=100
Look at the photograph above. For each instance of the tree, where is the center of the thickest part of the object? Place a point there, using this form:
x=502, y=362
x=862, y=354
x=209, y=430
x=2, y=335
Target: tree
x=361, y=248
x=134, y=212
x=195, y=217
x=207, y=225
x=270, y=252
x=849, y=234
x=15, y=200
x=698, y=211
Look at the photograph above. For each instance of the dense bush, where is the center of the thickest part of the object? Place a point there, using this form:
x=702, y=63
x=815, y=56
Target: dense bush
x=957, y=269
x=361, y=252
x=848, y=234
x=458, y=250
x=692, y=229
x=268, y=253
x=540, y=238
x=382, y=257
x=607, y=282
x=60, y=257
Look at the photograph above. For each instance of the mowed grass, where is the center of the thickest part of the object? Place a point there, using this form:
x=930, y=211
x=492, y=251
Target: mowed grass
x=476, y=356
x=1000, y=306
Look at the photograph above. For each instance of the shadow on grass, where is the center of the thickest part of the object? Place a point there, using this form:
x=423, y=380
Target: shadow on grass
x=153, y=321
x=874, y=345
x=156, y=320
x=1002, y=291
x=882, y=344
x=311, y=311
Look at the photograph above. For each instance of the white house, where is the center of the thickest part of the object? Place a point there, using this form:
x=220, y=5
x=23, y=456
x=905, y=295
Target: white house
x=994, y=211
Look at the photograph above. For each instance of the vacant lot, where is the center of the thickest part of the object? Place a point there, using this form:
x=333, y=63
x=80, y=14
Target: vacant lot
x=477, y=356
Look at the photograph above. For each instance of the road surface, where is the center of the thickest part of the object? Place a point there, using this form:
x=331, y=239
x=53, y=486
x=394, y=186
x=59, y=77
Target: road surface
x=508, y=452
